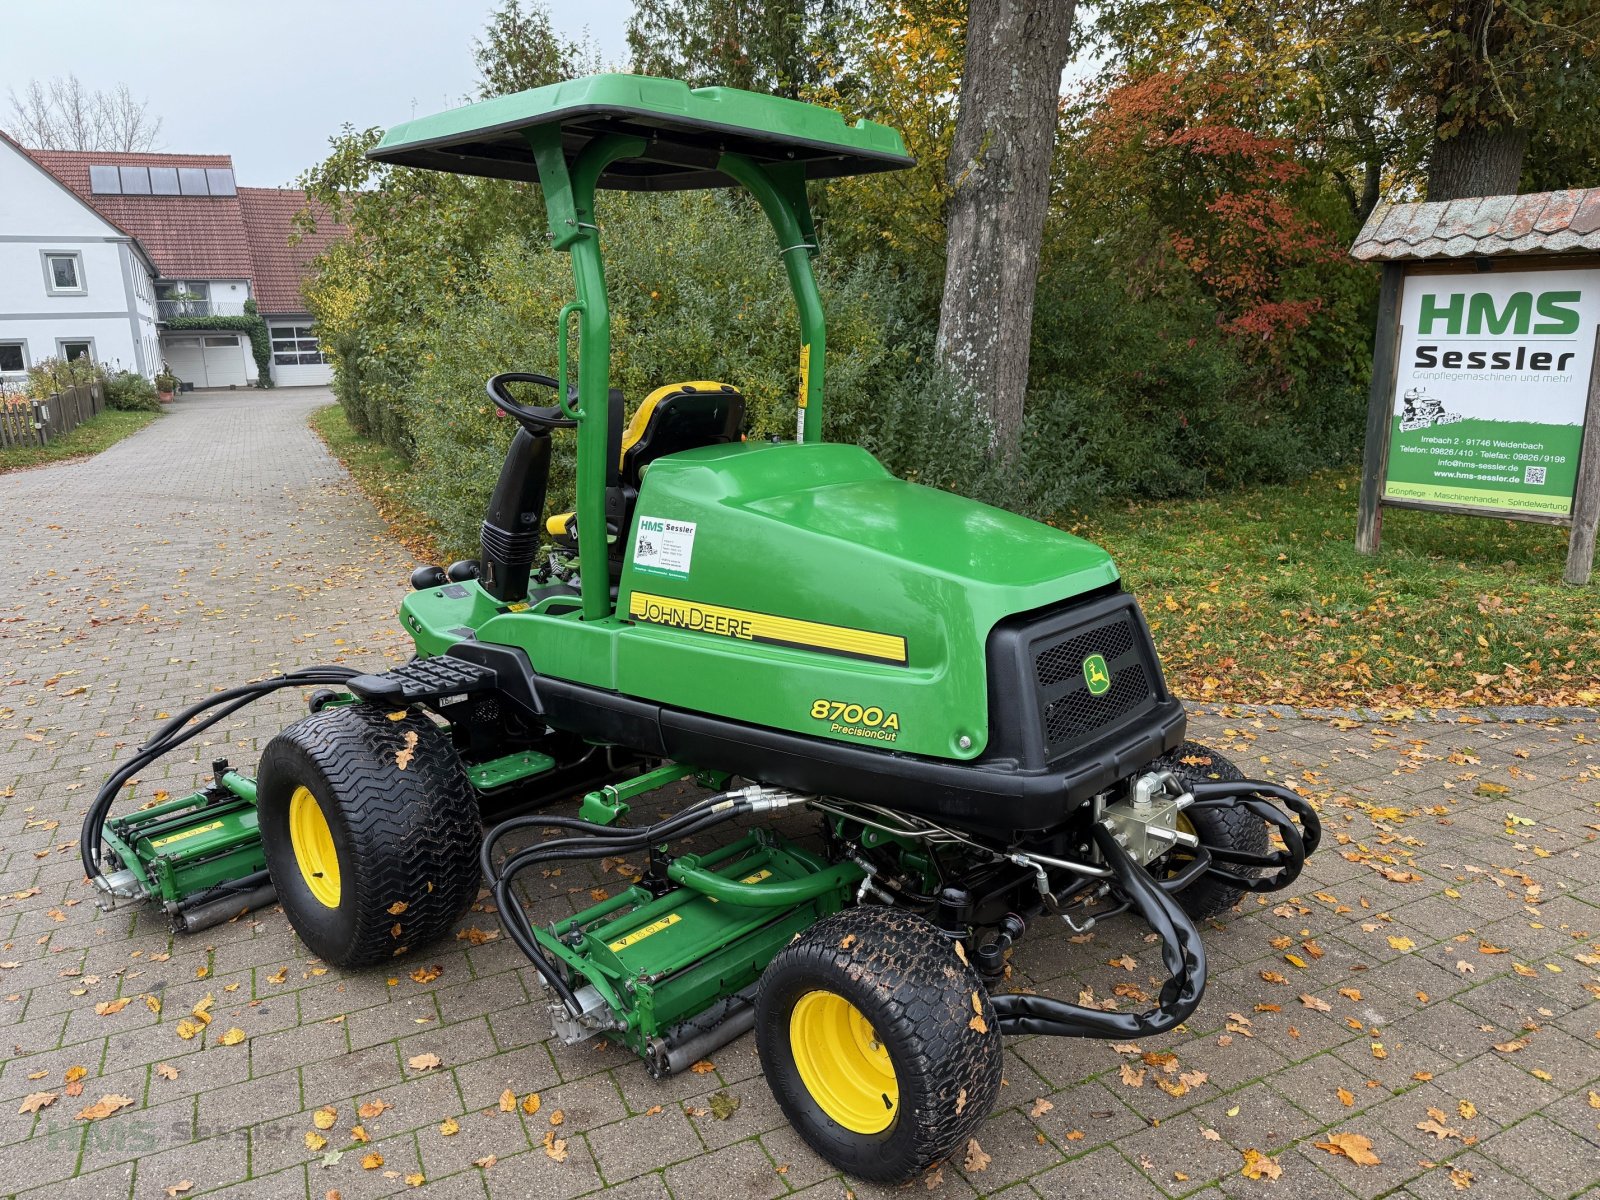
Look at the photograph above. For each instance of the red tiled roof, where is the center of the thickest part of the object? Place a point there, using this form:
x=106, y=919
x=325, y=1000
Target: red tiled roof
x=279, y=267
x=1482, y=226
x=189, y=237
x=207, y=237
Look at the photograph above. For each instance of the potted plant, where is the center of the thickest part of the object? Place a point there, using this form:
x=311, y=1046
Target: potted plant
x=166, y=384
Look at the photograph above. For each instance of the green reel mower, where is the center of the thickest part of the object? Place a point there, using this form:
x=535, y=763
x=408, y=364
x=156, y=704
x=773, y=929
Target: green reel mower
x=966, y=703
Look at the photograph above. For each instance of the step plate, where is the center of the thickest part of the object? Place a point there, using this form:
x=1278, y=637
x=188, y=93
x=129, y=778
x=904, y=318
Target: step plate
x=424, y=679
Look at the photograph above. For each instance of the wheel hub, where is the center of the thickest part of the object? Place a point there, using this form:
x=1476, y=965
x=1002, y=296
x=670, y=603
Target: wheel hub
x=842, y=1063
x=314, y=851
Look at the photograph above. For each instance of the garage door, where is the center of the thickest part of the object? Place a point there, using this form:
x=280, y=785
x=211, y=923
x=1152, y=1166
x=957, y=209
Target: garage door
x=206, y=360
x=297, y=359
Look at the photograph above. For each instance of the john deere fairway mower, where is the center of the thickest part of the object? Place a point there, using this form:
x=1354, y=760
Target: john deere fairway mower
x=967, y=701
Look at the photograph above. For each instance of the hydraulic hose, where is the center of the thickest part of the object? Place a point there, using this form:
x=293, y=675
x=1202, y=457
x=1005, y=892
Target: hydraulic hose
x=178, y=730
x=1181, y=951
x=602, y=840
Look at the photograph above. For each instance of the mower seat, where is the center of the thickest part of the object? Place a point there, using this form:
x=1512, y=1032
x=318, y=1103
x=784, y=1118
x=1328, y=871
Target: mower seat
x=679, y=416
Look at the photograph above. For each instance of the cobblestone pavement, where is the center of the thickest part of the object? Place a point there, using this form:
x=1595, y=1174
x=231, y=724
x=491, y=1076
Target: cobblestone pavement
x=1430, y=985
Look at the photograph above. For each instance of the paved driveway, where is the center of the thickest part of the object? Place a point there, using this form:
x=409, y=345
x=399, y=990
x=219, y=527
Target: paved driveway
x=1430, y=986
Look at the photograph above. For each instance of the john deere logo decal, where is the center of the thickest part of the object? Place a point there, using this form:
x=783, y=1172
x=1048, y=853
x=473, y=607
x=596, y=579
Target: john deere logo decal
x=1096, y=674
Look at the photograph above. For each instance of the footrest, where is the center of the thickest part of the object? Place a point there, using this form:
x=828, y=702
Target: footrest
x=425, y=679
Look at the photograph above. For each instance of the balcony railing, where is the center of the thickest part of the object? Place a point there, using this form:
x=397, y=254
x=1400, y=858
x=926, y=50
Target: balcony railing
x=166, y=310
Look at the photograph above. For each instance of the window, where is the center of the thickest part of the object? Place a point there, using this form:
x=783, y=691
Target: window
x=104, y=180
x=295, y=345
x=63, y=272
x=135, y=180
x=73, y=349
x=163, y=180
x=220, y=181
x=13, y=358
x=192, y=181
x=183, y=298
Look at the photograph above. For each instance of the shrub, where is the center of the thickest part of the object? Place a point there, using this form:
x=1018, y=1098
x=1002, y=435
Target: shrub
x=131, y=392
x=50, y=375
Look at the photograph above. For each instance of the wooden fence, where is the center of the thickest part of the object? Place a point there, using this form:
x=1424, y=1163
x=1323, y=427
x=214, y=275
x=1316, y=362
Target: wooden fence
x=26, y=422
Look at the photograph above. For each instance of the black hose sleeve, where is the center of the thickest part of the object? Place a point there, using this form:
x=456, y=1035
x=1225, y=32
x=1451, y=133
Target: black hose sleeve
x=514, y=918
x=1181, y=952
x=175, y=732
x=519, y=930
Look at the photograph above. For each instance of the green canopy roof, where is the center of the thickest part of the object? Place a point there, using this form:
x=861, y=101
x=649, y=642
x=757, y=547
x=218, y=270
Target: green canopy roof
x=687, y=131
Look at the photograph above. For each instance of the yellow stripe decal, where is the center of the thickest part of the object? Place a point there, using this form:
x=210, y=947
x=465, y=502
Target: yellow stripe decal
x=763, y=627
x=187, y=833
x=644, y=931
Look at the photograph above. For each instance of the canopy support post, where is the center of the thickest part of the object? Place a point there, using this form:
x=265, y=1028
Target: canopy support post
x=780, y=189
x=569, y=200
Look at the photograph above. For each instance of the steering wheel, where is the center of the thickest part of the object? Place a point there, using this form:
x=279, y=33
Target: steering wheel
x=537, y=421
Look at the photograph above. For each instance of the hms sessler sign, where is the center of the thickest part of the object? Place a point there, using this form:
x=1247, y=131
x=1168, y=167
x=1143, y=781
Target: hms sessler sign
x=1489, y=397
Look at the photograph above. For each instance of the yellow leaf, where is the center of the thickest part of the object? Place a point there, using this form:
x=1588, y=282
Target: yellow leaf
x=233, y=1037
x=704, y=1067
x=153, y=1003
x=531, y=1102
x=166, y=1070
x=104, y=1107
x=34, y=1101
x=188, y=1029
x=107, y=1008
x=449, y=1127
x=977, y=1159
x=403, y=756
x=325, y=1117
x=1293, y=960
x=1354, y=1146
x=415, y=1179
x=76, y=1073
x=1258, y=1166
x=1346, y=1097
x=1401, y=943
x=372, y=1108
x=555, y=1148
x=423, y=1062
x=314, y=1140
x=371, y=1161
x=1467, y=1109
x=398, y=907
x=278, y=976
x=508, y=1101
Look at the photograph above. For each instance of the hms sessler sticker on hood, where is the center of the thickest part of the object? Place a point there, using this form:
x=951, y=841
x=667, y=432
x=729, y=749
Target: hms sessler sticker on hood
x=663, y=547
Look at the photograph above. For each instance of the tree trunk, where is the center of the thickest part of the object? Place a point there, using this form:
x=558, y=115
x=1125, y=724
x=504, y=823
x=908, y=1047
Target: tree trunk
x=1478, y=161
x=1000, y=189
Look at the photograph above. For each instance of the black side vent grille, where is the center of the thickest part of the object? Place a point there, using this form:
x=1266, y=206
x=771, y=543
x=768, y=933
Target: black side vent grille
x=1067, y=680
x=1079, y=713
x=1064, y=661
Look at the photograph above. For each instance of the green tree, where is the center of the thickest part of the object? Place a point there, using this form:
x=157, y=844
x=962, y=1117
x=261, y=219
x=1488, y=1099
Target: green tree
x=777, y=46
x=520, y=49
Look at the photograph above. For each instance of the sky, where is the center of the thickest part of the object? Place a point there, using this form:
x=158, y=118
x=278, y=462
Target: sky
x=270, y=83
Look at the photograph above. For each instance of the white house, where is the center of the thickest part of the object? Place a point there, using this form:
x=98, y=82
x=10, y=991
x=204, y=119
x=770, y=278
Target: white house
x=204, y=248
x=73, y=284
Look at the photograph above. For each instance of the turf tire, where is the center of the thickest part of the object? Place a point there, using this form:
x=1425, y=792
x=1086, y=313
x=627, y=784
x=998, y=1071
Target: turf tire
x=1231, y=829
x=406, y=840
x=906, y=978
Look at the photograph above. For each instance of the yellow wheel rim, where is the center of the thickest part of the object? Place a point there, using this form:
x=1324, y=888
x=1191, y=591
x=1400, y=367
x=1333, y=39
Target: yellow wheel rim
x=842, y=1063
x=312, y=841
